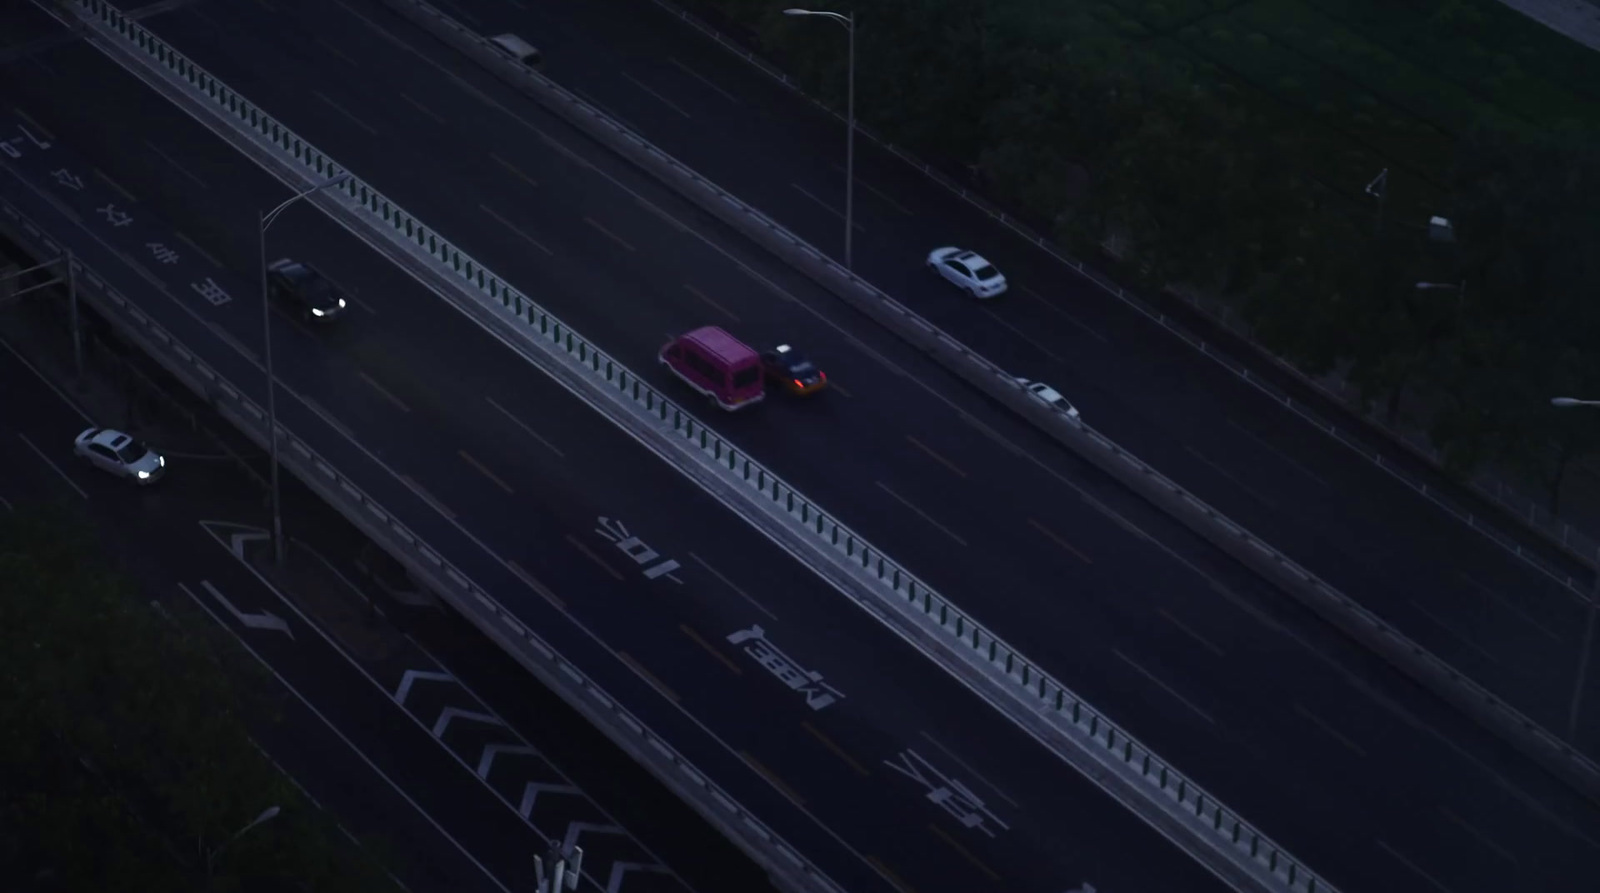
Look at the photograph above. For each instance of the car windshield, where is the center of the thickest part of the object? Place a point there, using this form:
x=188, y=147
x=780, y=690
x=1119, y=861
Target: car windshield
x=318, y=291
x=802, y=368
x=984, y=272
x=132, y=451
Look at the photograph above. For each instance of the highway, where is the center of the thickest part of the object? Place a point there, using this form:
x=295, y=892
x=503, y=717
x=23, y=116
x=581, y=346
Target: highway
x=1188, y=663
x=929, y=460
x=1464, y=597
x=510, y=477
x=372, y=768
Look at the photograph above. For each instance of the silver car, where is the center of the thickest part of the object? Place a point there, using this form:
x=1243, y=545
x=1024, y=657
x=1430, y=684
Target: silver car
x=968, y=271
x=121, y=455
x=1049, y=396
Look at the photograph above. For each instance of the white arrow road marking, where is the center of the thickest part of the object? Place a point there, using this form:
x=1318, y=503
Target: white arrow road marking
x=411, y=677
x=451, y=713
x=618, y=869
x=263, y=620
x=576, y=828
x=534, y=789
x=486, y=760
x=237, y=541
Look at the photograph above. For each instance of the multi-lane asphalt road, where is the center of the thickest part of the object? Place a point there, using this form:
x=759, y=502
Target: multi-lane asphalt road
x=513, y=479
x=1180, y=664
x=1465, y=597
x=956, y=488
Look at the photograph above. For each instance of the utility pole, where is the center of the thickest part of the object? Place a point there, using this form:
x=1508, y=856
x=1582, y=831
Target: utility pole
x=562, y=873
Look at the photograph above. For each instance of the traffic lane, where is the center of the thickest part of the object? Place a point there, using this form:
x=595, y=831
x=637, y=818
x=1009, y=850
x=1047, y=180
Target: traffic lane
x=470, y=488
x=599, y=64
x=488, y=569
x=154, y=532
x=600, y=587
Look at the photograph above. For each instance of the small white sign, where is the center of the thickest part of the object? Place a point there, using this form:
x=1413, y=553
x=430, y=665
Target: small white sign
x=211, y=292
x=114, y=216
x=162, y=253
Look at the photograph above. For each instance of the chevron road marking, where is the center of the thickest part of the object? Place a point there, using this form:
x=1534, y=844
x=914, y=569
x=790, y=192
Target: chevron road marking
x=412, y=676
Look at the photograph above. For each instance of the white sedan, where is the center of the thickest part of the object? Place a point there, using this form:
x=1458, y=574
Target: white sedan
x=968, y=271
x=118, y=453
x=1049, y=396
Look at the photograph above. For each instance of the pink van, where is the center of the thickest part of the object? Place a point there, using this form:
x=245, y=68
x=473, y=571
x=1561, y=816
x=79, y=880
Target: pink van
x=716, y=364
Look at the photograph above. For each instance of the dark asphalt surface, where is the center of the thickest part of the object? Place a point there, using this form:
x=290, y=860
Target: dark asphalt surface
x=432, y=406
x=155, y=536
x=1464, y=597
x=576, y=767
x=1372, y=759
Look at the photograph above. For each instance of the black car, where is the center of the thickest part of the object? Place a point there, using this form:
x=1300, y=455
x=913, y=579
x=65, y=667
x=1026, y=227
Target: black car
x=302, y=287
x=791, y=371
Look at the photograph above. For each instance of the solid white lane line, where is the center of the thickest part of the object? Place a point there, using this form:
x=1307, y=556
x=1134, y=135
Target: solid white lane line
x=345, y=112
x=1191, y=633
x=835, y=211
x=384, y=391
x=730, y=584
x=175, y=165
x=1481, y=837
x=925, y=516
x=1327, y=727
x=525, y=427
x=1438, y=884
x=1278, y=452
x=347, y=742
x=514, y=228
x=664, y=100
x=1155, y=680
x=57, y=468
x=704, y=80
x=609, y=234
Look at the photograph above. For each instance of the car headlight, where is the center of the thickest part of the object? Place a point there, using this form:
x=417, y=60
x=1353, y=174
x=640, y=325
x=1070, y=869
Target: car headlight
x=143, y=475
x=341, y=303
x=161, y=461
x=318, y=311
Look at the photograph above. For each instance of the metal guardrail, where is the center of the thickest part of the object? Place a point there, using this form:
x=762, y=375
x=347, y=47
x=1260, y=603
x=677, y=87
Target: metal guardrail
x=1473, y=699
x=1576, y=543
x=425, y=564
x=1221, y=829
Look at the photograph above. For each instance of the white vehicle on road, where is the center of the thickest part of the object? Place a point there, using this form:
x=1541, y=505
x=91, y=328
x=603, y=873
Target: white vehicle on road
x=968, y=271
x=121, y=455
x=1049, y=396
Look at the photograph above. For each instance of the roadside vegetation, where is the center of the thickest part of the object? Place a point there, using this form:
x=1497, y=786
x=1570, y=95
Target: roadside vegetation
x=127, y=765
x=1225, y=147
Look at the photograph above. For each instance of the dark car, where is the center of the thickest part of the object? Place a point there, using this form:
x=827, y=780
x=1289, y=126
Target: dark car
x=300, y=286
x=792, y=371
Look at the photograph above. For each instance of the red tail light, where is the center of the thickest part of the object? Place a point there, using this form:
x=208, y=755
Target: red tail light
x=799, y=384
x=822, y=375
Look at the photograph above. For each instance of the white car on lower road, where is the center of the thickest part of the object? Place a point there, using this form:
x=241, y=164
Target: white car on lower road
x=968, y=271
x=113, y=451
x=1049, y=396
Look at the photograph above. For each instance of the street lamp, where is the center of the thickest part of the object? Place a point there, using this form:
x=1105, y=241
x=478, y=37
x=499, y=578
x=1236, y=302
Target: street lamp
x=849, y=23
x=1594, y=606
x=267, y=814
x=265, y=220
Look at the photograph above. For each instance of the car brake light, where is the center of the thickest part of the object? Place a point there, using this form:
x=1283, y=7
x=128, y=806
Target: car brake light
x=799, y=384
x=823, y=376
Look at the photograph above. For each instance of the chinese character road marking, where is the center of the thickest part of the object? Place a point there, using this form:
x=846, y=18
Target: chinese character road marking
x=68, y=179
x=809, y=682
x=947, y=793
x=113, y=216
x=634, y=548
x=162, y=253
x=211, y=292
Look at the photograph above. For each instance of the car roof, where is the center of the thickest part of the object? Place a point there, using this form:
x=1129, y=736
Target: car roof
x=719, y=343
x=294, y=269
x=111, y=437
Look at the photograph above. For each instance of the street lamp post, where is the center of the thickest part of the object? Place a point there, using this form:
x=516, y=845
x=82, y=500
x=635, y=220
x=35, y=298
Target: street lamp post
x=264, y=221
x=849, y=23
x=1594, y=608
